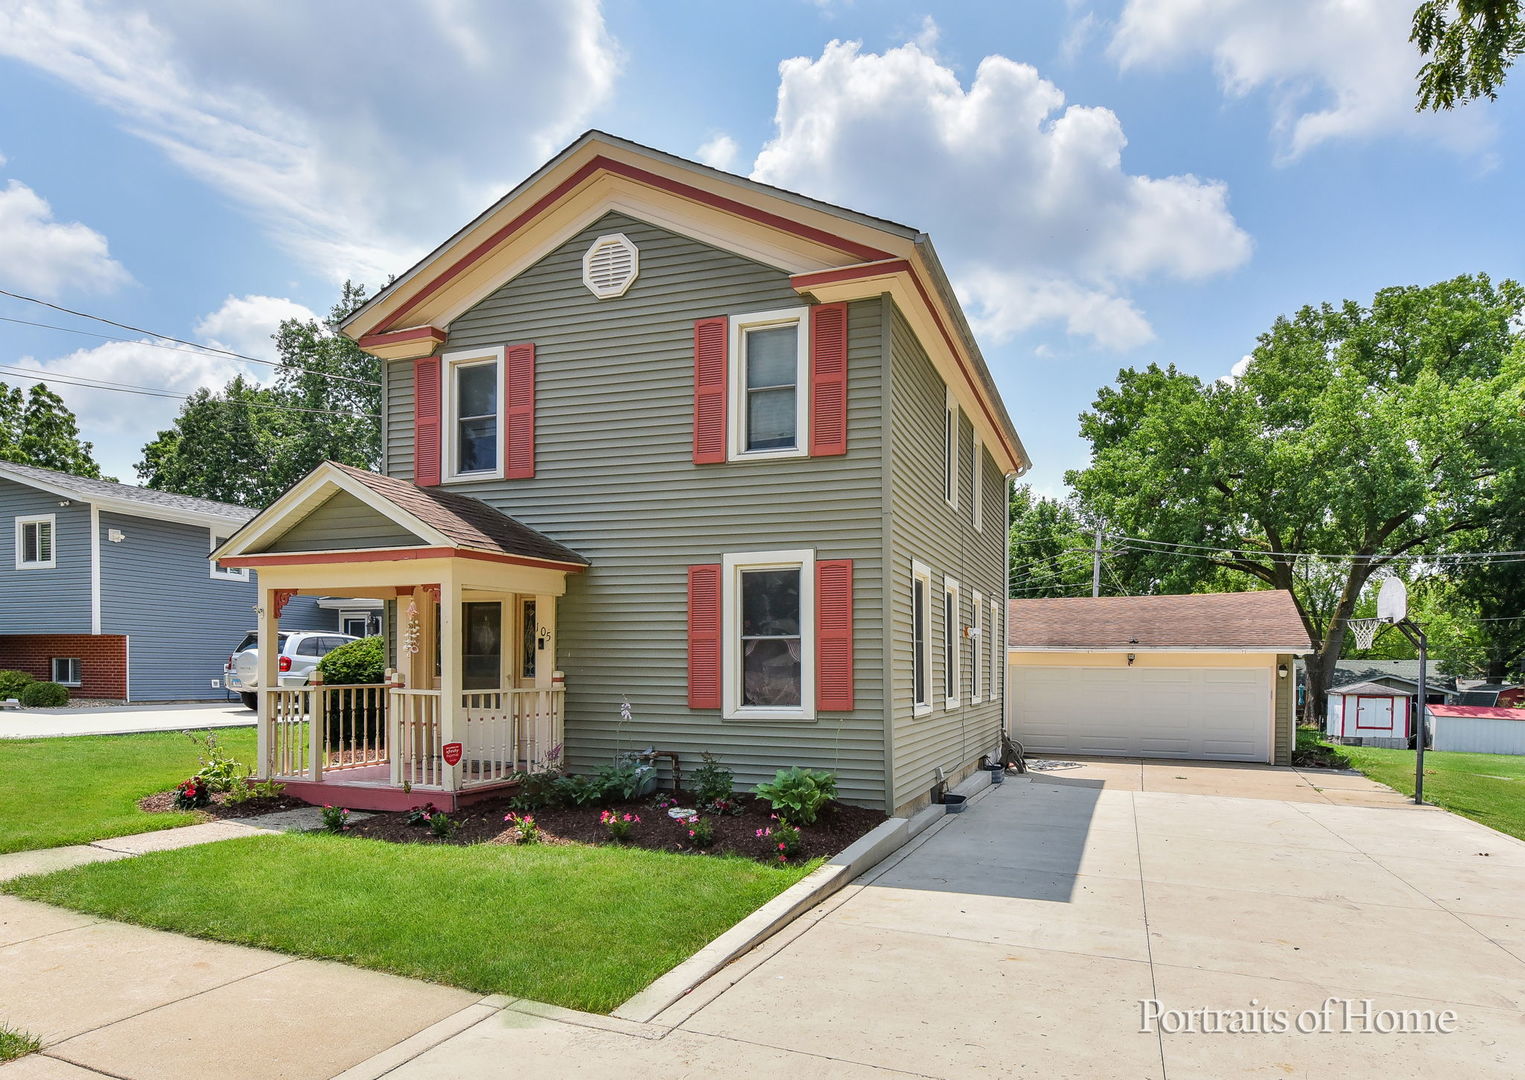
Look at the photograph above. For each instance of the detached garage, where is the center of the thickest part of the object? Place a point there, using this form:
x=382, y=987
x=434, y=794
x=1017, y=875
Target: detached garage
x=1203, y=676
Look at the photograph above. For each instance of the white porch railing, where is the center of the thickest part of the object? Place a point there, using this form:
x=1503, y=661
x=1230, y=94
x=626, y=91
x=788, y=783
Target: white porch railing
x=315, y=730
x=504, y=731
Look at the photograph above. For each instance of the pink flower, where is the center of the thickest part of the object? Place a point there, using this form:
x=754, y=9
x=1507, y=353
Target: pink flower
x=782, y=846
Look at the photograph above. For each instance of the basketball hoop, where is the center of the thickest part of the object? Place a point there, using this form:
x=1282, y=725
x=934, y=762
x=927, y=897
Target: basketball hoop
x=1365, y=630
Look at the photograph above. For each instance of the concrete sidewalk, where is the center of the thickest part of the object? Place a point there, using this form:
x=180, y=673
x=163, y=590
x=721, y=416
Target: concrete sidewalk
x=120, y=720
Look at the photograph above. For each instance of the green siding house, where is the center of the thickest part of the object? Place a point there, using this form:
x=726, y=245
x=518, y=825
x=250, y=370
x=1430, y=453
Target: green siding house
x=659, y=435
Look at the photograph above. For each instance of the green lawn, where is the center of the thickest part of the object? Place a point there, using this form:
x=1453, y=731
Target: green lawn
x=1489, y=788
x=580, y=926
x=72, y=791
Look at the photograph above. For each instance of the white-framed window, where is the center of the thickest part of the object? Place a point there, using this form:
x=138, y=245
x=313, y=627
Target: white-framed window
x=952, y=649
x=976, y=480
x=769, y=372
x=995, y=633
x=767, y=611
x=921, y=639
x=950, y=449
x=66, y=670
x=976, y=660
x=35, y=537
x=226, y=573
x=355, y=623
x=473, y=413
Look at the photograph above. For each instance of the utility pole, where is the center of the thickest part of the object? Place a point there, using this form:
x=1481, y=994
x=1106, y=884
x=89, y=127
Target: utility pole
x=1096, y=565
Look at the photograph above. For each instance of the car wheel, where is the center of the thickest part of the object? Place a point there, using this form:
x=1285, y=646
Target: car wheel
x=251, y=701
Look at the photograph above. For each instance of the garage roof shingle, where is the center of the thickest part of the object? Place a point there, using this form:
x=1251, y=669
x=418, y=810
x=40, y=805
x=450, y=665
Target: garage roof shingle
x=1264, y=620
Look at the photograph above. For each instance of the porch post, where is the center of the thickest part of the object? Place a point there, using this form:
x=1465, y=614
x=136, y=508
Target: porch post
x=449, y=645
x=547, y=729
x=545, y=620
x=267, y=631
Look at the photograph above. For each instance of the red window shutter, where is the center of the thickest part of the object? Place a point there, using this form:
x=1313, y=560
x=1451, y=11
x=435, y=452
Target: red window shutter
x=704, y=636
x=828, y=380
x=710, y=375
x=834, y=635
x=426, y=421
x=519, y=412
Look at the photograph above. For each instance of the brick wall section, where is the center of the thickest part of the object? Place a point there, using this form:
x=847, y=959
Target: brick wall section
x=102, y=660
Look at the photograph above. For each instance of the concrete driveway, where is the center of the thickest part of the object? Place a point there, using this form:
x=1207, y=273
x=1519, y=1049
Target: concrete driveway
x=120, y=720
x=1017, y=939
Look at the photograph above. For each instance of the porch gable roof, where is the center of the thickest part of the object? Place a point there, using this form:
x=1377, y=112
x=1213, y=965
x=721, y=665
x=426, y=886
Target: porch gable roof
x=442, y=520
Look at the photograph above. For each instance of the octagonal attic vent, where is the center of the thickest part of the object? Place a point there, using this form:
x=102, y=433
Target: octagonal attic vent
x=610, y=266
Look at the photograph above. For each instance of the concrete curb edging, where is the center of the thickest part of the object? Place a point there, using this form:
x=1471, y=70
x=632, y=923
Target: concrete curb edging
x=866, y=852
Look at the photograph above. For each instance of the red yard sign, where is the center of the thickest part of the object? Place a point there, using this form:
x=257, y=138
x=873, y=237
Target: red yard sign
x=451, y=752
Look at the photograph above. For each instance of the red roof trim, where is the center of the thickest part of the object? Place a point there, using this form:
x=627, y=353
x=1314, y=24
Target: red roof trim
x=317, y=558
x=398, y=337
x=601, y=163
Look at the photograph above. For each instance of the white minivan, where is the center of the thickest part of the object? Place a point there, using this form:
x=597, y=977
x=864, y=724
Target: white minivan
x=300, y=652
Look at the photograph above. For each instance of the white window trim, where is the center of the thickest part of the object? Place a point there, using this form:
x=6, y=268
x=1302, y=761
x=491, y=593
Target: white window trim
x=976, y=643
x=921, y=573
x=219, y=573
x=953, y=652
x=977, y=487
x=53, y=670
x=950, y=449
x=733, y=563
x=449, y=362
x=995, y=651
x=736, y=374
x=51, y=521
x=347, y=616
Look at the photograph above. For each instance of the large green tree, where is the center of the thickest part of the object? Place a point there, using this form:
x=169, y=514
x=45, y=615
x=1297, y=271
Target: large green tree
x=1469, y=46
x=247, y=443
x=37, y=428
x=1377, y=431
x=1050, y=547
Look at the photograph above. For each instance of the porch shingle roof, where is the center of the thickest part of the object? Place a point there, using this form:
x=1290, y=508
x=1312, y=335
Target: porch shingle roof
x=467, y=522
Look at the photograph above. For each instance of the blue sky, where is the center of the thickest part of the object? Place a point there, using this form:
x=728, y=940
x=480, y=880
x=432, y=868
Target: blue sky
x=1108, y=184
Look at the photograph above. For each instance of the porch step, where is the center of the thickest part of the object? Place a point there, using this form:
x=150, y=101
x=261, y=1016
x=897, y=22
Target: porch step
x=374, y=796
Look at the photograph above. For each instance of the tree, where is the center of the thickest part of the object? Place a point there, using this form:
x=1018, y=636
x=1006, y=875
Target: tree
x=1375, y=431
x=1050, y=549
x=37, y=428
x=247, y=443
x=1470, y=44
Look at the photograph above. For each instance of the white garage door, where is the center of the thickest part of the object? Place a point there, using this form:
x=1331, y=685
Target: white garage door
x=1215, y=713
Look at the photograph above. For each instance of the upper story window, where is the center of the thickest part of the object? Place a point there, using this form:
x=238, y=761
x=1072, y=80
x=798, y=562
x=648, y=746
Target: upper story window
x=473, y=414
x=768, y=628
x=34, y=543
x=226, y=573
x=950, y=450
x=921, y=639
x=769, y=413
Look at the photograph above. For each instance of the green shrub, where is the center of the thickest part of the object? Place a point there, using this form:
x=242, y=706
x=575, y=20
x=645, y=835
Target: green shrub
x=193, y=794
x=221, y=772
x=44, y=695
x=798, y=794
x=713, y=784
x=355, y=663
x=13, y=682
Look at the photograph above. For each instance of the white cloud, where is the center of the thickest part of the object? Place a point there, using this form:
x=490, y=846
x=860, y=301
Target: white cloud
x=720, y=151
x=43, y=255
x=1333, y=68
x=359, y=133
x=1032, y=196
x=1236, y=372
x=246, y=324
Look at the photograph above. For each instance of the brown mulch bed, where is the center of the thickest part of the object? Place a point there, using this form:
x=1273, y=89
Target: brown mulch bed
x=163, y=802
x=735, y=834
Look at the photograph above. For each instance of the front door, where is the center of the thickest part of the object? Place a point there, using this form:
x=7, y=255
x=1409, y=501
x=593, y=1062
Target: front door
x=482, y=645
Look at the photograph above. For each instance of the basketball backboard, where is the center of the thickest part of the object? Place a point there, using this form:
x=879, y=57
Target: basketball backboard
x=1393, y=601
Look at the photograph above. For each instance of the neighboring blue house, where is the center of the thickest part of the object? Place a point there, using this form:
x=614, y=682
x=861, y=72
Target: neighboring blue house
x=109, y=590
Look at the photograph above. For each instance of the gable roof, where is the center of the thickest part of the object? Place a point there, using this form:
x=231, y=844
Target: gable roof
x=831, y=253
x=1262, y=621
x=127, y=499
x=439, y=518
x=1368, y=689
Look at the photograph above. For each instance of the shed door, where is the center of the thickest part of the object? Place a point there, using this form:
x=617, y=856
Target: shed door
x=1210, y=713
x=1374, y=715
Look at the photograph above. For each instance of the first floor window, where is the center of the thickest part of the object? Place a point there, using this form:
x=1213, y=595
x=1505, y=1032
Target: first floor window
x=921, y=638
x=66, y=670
x=34, y=543
x=952, y=654
x=977, y=661
x=768, y=612
x=995, y=648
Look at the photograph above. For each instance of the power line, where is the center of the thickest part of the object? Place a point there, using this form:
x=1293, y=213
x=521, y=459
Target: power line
x=164, y=337
x=149, y=391
x=1321, y=555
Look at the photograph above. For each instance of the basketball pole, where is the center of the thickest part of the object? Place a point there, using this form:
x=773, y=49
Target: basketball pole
x=1415, y=634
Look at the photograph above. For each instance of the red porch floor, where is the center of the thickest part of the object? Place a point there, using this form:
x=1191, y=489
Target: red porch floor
x=371, y=788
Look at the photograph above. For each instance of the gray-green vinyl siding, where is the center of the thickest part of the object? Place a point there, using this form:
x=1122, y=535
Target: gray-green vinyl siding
x=49, y=601
x=1286, y=722
x=342, y=523
x=925, y=528
x=615, y=481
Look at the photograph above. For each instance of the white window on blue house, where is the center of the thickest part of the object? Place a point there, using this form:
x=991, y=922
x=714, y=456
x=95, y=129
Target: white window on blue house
x=35, y=543
x=226, y=573
x=66, y=670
